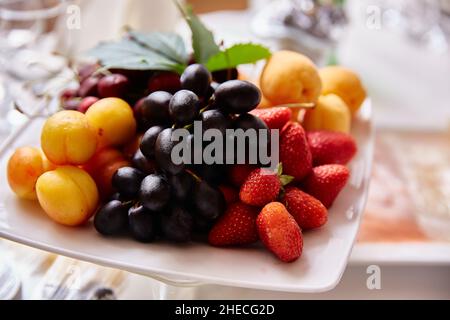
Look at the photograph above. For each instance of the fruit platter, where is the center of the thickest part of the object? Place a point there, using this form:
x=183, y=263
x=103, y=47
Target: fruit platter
x=134, y=171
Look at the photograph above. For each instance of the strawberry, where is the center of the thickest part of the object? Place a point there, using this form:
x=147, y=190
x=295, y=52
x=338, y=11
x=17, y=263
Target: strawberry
x=236, y=226
x=279, y=232
x=231, y=195
x=294, y=151
x=238, y=173
x=331, y=147
x=263, y=186
x=325, y=182
x=309, y=212
x=274, y=118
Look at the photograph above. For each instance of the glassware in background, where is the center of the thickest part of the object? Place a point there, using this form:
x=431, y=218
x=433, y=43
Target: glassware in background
x=312, y=27
x=98, y=24
x=29, y=41
x=424, y=159
x=423, y=21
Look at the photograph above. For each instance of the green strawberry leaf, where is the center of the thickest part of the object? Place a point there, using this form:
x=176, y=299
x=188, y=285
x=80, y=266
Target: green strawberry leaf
x=285, y=179
x=202, y=38
x=242, y=53
x=131, y=55
x=279, y=169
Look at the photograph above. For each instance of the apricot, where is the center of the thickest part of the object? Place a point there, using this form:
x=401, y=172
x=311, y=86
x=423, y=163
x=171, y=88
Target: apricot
x=113, y=121
x=265, y=103
x=345, y=83
x=68, y=195
x=290, y=77
x=25, y=166
x=48, y=165
x=102, y=167
x=331, y=113
x=67, y=138
x=101, y=158
x=103, y=178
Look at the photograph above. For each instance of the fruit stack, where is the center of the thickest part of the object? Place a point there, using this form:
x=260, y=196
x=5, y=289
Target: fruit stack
x=157, y=198
x=102, y=157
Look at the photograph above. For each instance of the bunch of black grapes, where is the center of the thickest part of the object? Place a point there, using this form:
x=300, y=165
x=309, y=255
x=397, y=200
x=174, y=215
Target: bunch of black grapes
x=157, y=198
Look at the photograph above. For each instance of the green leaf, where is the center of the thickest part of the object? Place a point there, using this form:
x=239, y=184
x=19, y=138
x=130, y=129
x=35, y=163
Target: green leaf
x=285, y=180
x=170, y=45
x=202, y=38
x=238, y=54
x=279, y=169
x=129, y=54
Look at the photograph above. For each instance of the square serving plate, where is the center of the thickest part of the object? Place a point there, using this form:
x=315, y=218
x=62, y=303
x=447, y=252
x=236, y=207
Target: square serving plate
x=325, y=255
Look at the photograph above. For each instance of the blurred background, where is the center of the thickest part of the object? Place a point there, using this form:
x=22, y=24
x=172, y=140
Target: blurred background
x=401, y=50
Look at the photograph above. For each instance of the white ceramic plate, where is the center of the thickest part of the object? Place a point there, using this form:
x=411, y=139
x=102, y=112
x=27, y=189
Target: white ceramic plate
x=326, y=251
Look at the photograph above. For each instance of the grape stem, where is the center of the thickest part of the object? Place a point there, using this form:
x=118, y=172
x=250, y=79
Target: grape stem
x=209, y=104
x=304, y=105
x=196, y=177
x=134, y=203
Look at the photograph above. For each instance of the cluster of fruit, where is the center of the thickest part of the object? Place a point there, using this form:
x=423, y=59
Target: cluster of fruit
x=269, y=207
x=101, y=150
x=158, y=198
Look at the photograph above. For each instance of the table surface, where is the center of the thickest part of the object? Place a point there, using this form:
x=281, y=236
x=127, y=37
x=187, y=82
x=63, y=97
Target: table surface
x=36, y=270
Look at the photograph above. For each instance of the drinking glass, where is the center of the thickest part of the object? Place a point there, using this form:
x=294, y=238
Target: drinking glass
x=424, y=160
x=312, y=27
x=29, y=37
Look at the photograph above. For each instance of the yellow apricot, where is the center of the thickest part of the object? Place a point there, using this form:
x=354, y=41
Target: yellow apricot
x=113, y=121
x=345, y=83
x=47, y=164
x=23, y=169
x=68, y=138
x=290, y=77
x=68, y=195
x=102, y=167
x=331, y=113
x=265, y=103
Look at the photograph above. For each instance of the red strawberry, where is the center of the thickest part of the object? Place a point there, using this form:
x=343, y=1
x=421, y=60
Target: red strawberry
x=331, y=147
x=294, y=151
x=236, y=226
x=279, y=232
x=263, y=186
x=325, y=182
x=231, y=195
x=275, y=118
x=309, y=212
x=238, y=173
